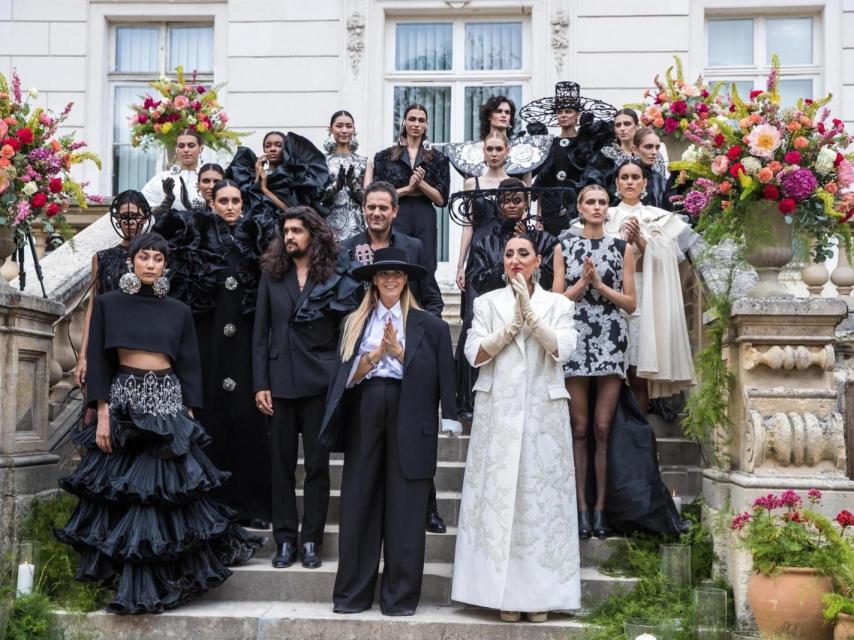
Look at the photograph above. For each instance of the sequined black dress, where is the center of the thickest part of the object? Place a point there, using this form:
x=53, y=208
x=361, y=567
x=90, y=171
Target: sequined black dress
x=112, y=265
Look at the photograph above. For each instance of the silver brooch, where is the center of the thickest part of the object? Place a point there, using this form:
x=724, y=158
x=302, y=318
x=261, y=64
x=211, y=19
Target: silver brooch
x=564, y=142
x=229, y=385
x=231, y=283
x=229, y=330
x=561, y=175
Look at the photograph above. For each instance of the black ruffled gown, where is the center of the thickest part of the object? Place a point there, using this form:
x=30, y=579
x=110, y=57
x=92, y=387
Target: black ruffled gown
x=300, y=179
x=112, y=265
x=145, y=522
x=215, y=272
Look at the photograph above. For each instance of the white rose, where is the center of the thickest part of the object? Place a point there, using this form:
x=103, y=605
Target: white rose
x=29, y=189
x=825, y=160
x=691, y=154
x=751, y=166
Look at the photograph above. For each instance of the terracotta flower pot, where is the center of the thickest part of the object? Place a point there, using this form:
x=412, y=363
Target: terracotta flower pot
x=790, y=603
x=844, y=627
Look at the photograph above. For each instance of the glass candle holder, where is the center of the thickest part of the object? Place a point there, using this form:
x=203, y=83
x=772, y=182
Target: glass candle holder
x=644, y=629
x=676, y=563
x=710, y=608
x=25, y=567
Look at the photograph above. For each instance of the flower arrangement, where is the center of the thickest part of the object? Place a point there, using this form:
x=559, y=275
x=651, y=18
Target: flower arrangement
x=182, y=103
x=673, y=104
x=753, y=151
x=36, y=186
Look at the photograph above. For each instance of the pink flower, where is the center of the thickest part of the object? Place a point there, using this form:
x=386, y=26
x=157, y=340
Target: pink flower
x=764, y=141
x=800, y=143
x=814, y=496
x=4, y=129
x=792, y=157
x=765, y=175
x=845, y=519
x=768, y=502
x=740, y=520
x=799, y=184
x=200, y=88
x=182, y=102
x=142, y=118
x=223, y=117
x=790, y=499
x=720, y=165
x=679, y=107
x=845, y=173
x=670, y=125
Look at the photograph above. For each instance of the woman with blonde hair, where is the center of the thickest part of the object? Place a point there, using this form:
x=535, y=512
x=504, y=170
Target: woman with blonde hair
x=393, y=355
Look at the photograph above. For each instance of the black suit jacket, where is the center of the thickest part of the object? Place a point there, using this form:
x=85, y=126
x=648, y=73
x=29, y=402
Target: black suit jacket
x=426, y=289
x=428, y=380
x=295, y=337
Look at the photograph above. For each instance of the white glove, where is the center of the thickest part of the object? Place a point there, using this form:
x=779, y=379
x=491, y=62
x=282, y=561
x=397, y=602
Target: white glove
x=451, y=427
x=495, y=342
x=539, y=329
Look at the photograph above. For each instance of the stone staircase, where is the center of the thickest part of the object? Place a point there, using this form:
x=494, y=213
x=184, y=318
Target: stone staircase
x=259, y=602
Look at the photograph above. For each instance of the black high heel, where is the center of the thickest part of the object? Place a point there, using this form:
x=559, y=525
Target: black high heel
x=600, y=530
x=584, y=528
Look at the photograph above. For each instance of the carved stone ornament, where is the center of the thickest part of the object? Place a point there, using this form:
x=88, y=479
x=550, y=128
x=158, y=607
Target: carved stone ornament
x=560, y=38
x=790, y=357
x=356, y=40
x=793, y=440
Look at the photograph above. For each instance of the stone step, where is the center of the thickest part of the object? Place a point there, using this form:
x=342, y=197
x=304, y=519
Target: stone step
x=662, y=428
x=257, y=620
x=449, y=475
x=448, y=503
x=679, y=451
x=298, y=584
x=440, y=546
x=451, y=449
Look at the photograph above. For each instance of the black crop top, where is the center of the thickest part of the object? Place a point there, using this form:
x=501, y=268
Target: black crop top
x=148, y=323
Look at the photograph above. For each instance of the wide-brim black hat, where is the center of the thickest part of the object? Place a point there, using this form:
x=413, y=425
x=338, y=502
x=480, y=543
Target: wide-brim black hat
x=567, y=96
x=389, y=259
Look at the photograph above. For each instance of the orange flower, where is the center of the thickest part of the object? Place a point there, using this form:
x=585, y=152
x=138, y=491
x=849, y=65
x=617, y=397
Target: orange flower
x=775, y=166
x=54, y=144
x=800, y=142
x=5, y=162
x=4, y=183
x=831, y=187
x=658, y=123
x=10, y=120
x=745, y=123
x=7, y=151
x=725, y=187
x=806, y=121
x=793, y=126
x=765, y=175
x=725, y=204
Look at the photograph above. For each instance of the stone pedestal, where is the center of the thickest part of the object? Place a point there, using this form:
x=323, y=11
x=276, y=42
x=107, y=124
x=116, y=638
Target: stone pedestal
x=787, y=429
x=27, y=468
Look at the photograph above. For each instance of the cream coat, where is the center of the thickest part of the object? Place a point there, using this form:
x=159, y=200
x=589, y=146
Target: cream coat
x=517, y=543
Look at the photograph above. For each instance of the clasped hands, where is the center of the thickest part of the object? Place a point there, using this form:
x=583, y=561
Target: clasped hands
x=416, y=179
x=523, y=313
x=389, y=344
x=589, y=274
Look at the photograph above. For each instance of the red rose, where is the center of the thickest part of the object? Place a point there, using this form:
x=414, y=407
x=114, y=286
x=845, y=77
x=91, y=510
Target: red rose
x=734, y=169
x=839, y=159
x=38, y=200
x=25, y=135
x=55, y=185
x=53, y=209
x=13, y=142
x=142, y=118
x=719, y=139
x=734, y=153
x=770, y=192
x=679, y=107
x=787, y=205
x=792, y=157
x=755, y=93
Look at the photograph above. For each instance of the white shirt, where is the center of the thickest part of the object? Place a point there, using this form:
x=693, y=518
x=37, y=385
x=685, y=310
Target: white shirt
x=153, y=189
x=388, y=366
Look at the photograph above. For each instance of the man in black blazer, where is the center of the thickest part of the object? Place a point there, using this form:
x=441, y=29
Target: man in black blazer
x=305, y=290
x=380, y=205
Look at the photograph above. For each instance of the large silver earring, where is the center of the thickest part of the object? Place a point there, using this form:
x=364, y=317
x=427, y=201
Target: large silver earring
x=644, y=194
x=161, y=285
x=535, y=276
x=354, y=143
x=130, y=282
x=505, y=278
x=329, y=144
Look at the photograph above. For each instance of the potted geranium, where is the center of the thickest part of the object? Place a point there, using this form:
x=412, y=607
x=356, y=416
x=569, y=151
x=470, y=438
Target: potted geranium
x=839, y=605
x=36, y=187
x=791, y=562
x=761, y=174
x=182, y=103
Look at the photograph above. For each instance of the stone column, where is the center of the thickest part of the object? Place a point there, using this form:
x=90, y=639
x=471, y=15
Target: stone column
x=787, y=431
x=27, y=468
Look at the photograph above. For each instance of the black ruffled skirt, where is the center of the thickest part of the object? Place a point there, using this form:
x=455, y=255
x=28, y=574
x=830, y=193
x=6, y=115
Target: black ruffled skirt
x=144, y=522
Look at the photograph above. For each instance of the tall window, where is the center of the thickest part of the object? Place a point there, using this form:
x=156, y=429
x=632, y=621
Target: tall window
x=452, y=67
x=140, y=53
x=739, y=50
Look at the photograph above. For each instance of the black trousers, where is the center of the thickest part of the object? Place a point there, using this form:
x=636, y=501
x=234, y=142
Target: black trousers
x=417, y=219
x=379, y=508
x=290, y=418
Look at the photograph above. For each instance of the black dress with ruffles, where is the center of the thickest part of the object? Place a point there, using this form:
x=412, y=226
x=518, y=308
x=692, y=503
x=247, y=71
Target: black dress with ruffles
x=145, y=522
x=112, y=265
x=214, y=269
x=300, y=179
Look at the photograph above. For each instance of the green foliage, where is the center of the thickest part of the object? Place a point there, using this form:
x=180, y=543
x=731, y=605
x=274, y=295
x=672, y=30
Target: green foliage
x=836, y=603
x=32, y=619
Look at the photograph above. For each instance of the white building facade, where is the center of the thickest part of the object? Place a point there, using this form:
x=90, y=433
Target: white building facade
x=289, y=64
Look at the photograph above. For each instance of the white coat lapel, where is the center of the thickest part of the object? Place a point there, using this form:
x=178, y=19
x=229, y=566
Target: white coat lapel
x=505, y=305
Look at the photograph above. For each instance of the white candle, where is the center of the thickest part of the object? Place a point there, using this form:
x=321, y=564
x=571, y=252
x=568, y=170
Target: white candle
x=26, y=573
x=677, y=500
x=646, y=636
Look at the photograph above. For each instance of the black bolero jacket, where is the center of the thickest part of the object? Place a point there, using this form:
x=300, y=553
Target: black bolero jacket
x=437, y=171
x=148, y=323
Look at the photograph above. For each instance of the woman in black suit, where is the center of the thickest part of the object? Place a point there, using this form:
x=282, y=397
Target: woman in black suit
x=393, y=355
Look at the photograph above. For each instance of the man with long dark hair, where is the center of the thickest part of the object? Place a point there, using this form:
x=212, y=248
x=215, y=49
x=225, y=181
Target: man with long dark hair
x=303, y=294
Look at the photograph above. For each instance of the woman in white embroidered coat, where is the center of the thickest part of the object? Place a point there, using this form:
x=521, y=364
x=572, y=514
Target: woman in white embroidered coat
x=517, y=546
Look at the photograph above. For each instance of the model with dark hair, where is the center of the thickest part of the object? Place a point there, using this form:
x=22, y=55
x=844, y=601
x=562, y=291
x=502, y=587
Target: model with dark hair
x=291, y=171
x=498, y=113
x=421, y=176
x=178, y=186
x=304, y=293
x=209, y=174
x=347, y=177
x=626, y=124
x=145, y=522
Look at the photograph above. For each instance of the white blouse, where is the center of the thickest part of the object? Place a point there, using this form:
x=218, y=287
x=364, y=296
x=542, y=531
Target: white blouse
x=153, y=189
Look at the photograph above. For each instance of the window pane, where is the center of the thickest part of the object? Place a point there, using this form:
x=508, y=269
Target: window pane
x=191, y=47
x=136, y=49
x=424, y=46
x=437, y=100
x=791, y=90
x=730, y=42
x=131, y=167
x=476, y=96
x=791, y=39
x=491, y=46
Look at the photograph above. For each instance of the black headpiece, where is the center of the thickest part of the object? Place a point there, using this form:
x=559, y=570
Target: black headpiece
x=567, y=96
x=467, y=206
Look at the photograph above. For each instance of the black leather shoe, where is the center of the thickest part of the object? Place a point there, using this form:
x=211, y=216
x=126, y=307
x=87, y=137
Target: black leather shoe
x=600, y=529
x=286, y=555
x=465, y=416
x=255, y=523
x=585, y=531
x=435, y=524
x=310, y=556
